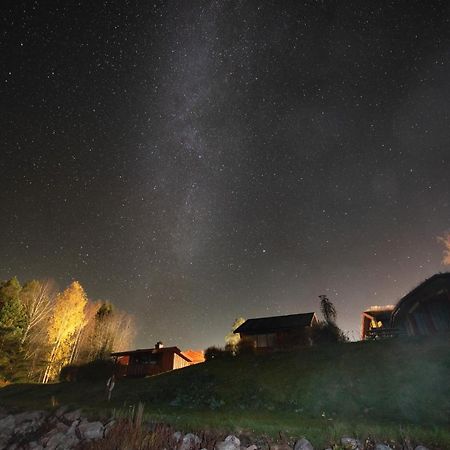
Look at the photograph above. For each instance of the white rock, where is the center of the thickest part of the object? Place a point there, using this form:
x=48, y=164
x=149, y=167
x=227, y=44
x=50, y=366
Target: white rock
x=230, y=443
x=382, y=447
x=252, y=447
x=350, y=443
x=177, y=436
x=233, y=440
x=303, y=444
x=91, y=430
x=189, y=442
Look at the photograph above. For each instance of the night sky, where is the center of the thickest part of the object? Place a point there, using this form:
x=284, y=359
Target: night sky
x=196, y=161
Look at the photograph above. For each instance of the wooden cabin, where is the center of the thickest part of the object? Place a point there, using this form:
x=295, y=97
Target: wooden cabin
x=426, y=309
x=152, y=361
x=276, y=332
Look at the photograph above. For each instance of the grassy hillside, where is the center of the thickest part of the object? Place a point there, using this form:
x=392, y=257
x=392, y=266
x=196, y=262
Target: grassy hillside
x=383, y=388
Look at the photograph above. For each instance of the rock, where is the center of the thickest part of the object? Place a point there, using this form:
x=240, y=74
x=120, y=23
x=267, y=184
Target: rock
x=73, y=427
x=55, y=441
x=280, y=447
x=303, y=444
x=189, y=442
x=177, y=436
x=61, y=427
x=252, y=447
x=350, y=443
x=28, y=422
x=230, y=443
x=382, y=447
x=7, y=423
x=60, y=441
x=34, y=446
x=72, y=415
x=421, y=447
x=91, y=430
x=6, y=430
x=61, y=411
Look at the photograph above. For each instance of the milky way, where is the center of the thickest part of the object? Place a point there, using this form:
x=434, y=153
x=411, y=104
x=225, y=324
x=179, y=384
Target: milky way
x=194, y=162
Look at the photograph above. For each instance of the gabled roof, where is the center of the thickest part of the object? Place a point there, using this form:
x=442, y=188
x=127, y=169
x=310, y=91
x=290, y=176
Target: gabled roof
x=153, y=351
x=276, y=323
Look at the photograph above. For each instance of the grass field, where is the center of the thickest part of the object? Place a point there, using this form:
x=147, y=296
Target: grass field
x=388, y=390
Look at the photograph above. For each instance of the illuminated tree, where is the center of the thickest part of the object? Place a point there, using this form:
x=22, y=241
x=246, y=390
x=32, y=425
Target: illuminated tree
x=37, y=300
x=65, y=327
x=107, y=330
x=232, y=339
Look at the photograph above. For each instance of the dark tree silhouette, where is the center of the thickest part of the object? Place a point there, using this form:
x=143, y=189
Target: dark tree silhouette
x=328, y=309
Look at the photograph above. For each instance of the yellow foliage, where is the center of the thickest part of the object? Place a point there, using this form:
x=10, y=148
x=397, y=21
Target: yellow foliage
x=65, y=326
x=232, y=339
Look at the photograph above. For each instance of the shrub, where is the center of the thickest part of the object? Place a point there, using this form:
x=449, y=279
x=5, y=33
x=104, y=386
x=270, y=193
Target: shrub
x=327, y=333
x=216, y=353
x=100, y=369
x=245, y=347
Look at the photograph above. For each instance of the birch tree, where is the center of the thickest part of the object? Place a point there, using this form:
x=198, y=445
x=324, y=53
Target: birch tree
x=64, y=328
x=37, y=300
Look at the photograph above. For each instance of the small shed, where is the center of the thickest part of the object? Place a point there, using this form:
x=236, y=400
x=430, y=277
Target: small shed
x=375, y=321
x=277, y=332
x=149, y=361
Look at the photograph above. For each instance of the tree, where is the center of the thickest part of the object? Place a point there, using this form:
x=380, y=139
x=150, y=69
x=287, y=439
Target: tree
x=37, y=300
x=12, y=323
x=326, y=331
x=12, y=316
x=107, y=329
x=328, y=310
x=65, y=327
x=232, y=339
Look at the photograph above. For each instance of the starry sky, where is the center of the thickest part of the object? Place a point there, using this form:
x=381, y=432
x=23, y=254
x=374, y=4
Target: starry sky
x=197, y=161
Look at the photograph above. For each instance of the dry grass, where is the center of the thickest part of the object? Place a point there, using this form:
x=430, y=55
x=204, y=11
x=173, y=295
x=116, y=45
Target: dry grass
x=128, y=435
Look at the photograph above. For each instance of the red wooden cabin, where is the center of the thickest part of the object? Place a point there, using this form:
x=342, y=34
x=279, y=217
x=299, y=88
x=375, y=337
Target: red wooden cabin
x=150, y=361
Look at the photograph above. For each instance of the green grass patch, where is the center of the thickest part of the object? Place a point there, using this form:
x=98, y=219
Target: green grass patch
x=387, y=390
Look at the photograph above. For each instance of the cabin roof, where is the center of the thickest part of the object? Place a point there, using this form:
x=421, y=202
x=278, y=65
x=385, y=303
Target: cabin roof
x=379, y=312
x=153, y=351
x=432, y=283
x=194, y=355
x=275, y=323
x=420, y=293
